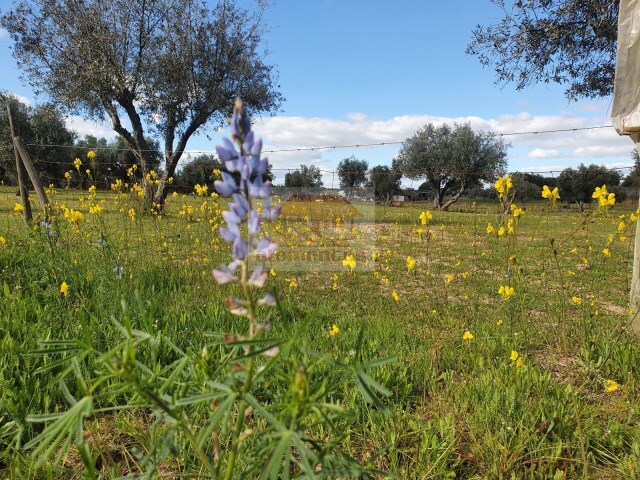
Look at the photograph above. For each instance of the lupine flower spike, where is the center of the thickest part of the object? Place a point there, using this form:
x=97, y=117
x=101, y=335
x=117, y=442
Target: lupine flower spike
x=246, y=161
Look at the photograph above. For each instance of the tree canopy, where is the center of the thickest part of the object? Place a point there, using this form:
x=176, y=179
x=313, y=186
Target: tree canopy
x=304, y=177
x=43, y=130
x=633, y=179
x=569, y=42
x=452, y=159
x=578, y=184
x=385, y=181
x=352, y=172
x=200, y=170
x=166, y=67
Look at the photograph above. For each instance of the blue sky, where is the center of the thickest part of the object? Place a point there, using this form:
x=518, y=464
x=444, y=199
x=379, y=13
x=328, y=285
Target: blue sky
x=356, y=72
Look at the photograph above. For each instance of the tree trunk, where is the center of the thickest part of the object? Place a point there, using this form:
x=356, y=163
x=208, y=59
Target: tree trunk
x=436, y=201
x=453, y=199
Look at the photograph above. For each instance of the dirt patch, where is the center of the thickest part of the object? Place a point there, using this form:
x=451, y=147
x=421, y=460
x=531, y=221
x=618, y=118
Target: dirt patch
x=613, y=308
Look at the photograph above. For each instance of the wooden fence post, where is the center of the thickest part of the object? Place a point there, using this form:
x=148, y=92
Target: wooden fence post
x=33, y=175
x=21, y=173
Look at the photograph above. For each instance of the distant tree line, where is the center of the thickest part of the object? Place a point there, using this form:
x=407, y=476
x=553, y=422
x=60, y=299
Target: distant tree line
x=452, y=162
x=53, y=148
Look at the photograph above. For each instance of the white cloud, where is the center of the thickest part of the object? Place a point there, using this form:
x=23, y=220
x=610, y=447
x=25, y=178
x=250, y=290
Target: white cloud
x=89, y=127
x=544, y=169
x=27, y=101
x=595, y=151
x=4, y=33
x=524, y=131
x=544, y=153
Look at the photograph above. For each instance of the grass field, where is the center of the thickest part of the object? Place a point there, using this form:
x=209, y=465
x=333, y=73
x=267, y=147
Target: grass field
x=538, y=382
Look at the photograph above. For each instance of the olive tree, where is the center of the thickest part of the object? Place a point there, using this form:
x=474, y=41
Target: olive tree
x=166, y=67
x=451, y=160
x=569, y=42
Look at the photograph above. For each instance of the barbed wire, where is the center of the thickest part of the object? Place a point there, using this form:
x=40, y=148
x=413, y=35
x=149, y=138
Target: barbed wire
x=310, y=149
x=78, y=180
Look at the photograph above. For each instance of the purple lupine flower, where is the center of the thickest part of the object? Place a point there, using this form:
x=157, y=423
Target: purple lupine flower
x=259, y=188
x=243, y=157
x=226, y=274
x=227, y=151
x=254, y=222
x=227, y=186
x=270, y=212
x=265, y=248
x=240, y=249
x=258, y=277
x=119, y=270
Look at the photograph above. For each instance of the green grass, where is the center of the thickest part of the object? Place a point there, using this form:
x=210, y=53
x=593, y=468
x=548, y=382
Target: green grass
x=457, y=409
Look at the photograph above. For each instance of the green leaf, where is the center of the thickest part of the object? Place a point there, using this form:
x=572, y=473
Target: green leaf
x=279, y=454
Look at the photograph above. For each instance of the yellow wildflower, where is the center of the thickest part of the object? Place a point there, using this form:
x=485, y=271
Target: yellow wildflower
x=577, y=300
x=605, y=199
x=425, y=217
x=334, y=330
x=293, y=284
x=516, y=211
x=96, y=209
x=3, y=241
x=18, y=208
x=467, y=336
x=506, y=292
x=91, y=154
x=77, y=163
x=64, y=289
x=501, y=231
x=551, y=195
x=67, y=176
x=611, y=386
x=490, y=229
x=503, y=185
x=201, y=190
x=514, y=356
x=395, y=296
x=349, y=263
x=448, y=278
x=411, y=263
x=72, y=215
x=606, y=252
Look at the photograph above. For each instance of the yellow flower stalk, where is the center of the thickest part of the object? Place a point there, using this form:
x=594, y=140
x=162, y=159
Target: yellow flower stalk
x=411, y=264
x=503, y=186
x=506, y=292
x=425, y=217
x=551, y=195
x=349, y=263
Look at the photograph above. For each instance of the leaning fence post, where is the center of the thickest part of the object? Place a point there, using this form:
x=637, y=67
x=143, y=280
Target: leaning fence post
x=21, y=172
x=33, y=175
